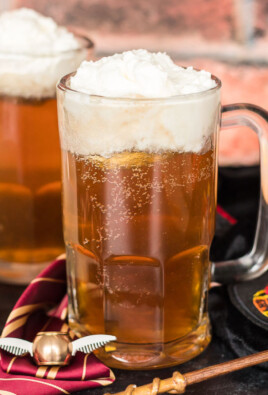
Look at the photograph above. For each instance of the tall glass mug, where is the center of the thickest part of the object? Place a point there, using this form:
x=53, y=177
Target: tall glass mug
x=138, y=224
x=30, y=186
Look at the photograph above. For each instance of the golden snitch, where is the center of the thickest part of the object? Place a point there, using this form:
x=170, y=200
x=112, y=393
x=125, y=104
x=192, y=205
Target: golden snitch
x=54, y=348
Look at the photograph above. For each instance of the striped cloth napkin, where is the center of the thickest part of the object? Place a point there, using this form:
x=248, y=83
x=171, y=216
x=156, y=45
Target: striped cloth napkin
x=43, y=307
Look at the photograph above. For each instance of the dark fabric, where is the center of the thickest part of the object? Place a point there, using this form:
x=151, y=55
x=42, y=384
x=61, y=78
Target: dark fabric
x=235, y=319
x=233, y=328
x=238, y=194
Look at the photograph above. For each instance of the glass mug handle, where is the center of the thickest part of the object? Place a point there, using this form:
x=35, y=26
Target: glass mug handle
x=255, y=262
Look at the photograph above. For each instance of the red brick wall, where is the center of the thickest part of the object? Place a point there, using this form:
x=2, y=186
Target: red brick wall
x=184, y=28
x=261, y=18
x=227, y=37
x=204, y=17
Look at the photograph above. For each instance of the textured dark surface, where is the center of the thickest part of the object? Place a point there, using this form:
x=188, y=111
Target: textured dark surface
x=247, y=382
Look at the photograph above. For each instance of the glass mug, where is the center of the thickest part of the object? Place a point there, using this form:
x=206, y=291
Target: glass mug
x=30, y=176
x=138, y=224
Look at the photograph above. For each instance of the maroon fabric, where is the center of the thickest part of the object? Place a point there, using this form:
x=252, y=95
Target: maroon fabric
x=43, y=307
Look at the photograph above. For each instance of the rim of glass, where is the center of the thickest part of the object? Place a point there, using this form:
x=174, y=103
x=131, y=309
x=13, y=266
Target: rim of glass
x=86, y=44
x=63, y=86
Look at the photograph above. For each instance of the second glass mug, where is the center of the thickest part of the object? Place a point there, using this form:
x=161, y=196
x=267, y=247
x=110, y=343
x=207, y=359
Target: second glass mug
x=139, y=222
x=30, y=183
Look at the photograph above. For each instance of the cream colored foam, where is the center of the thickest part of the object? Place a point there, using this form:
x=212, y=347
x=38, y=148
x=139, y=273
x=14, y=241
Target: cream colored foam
x=34, y=54
x=103, y=126
x=139, y=73
x=35, y=77
x=90, y=128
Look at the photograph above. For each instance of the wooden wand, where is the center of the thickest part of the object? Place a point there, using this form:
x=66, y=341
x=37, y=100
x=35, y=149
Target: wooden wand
x=178, y=382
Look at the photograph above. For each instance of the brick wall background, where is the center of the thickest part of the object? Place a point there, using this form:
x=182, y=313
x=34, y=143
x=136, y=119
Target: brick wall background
x=171, y=24
x=227, y=37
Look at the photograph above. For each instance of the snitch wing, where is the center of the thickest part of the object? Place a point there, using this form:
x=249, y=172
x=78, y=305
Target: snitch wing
x=88, y=344
x=16, y=346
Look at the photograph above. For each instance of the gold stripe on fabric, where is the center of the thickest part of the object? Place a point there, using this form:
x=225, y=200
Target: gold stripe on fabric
x=63, y=313
x=41, y=371
x=10, y=364
x=102, y=382
x=39, y=382
x=14, y=325
x=105, y=380
x=23, y=310
x=53, y=373
x=71, y=334
x=48, y=279
x=112, y=376
x=64, y=327
x=62, y=256
x=85, y=367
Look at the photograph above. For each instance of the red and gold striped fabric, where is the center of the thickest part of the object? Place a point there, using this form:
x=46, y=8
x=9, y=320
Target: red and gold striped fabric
x=43, y=307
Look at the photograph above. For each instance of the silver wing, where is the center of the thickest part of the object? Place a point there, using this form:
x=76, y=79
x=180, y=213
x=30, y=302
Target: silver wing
x=16, y=346
x=90, y=343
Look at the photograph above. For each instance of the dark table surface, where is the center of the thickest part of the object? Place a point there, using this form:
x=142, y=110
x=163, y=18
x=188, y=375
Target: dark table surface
x=248, y=381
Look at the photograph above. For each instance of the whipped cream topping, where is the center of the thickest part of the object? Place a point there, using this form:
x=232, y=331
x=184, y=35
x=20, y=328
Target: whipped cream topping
x=93, y=125
x=139, y=73
x=34, y=53
x=25, y=31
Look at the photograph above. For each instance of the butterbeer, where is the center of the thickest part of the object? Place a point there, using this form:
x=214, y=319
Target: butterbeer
x=139, y=198
x=30, y=185
x=140, y=234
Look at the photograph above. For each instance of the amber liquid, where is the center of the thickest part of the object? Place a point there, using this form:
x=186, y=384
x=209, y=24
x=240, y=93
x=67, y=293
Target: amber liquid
x=138, y=228
x=30, y=187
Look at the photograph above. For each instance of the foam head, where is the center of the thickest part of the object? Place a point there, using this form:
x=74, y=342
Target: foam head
x=138, y=101
x=34, y=53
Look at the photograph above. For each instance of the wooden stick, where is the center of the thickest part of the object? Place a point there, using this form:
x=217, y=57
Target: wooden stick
x=174, y=383
x=225, y=367
x=178, y=382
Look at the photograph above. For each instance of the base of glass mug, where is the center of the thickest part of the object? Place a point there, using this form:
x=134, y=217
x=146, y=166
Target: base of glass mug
x=20, y=273
x=153, y=356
